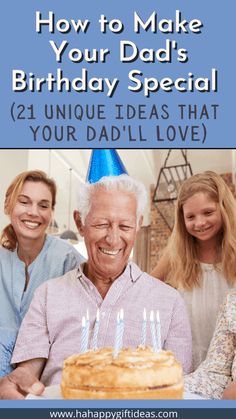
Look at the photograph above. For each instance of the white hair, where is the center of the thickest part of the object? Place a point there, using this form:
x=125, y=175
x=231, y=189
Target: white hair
x=121, y=183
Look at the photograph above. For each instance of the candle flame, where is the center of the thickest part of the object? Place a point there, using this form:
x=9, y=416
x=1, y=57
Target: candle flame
x=144, y=314
x=151, y=316
x=87, y=315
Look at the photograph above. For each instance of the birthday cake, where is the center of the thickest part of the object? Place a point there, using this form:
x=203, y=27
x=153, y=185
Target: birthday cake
x=133, y=374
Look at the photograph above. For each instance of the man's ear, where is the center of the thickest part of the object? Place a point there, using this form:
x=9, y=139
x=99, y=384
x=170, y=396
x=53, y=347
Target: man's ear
x=78, y=222
x=140, y=222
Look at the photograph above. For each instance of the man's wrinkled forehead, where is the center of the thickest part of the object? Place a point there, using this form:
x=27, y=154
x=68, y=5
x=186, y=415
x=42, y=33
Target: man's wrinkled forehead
x=106, y=203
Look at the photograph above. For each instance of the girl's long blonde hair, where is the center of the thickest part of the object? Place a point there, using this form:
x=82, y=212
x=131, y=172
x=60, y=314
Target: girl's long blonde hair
x=8, y=237
x=183, y=268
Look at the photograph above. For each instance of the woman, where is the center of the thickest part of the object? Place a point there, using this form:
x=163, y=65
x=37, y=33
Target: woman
x=212, y=379
x=200, y=258
x=28, y=256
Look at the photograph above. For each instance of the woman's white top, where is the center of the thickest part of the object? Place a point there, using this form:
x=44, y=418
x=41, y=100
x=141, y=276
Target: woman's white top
x=203, y=304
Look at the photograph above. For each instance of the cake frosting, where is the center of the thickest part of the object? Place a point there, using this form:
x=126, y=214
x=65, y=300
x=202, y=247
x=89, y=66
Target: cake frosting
x=134, y=374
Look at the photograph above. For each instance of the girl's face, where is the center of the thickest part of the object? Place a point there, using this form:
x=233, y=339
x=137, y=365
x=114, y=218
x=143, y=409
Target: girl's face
x=32, y=212
x=202, y=217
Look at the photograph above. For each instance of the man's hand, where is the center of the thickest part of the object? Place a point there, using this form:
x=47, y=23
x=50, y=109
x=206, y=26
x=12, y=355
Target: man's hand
x=21, y=381
x=230, y=391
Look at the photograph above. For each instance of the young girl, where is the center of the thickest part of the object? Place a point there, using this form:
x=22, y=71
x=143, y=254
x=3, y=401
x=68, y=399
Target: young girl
x=200, y=258
x=28, y=256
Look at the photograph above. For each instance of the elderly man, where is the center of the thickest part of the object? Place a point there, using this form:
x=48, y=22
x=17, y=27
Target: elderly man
x=108, y=217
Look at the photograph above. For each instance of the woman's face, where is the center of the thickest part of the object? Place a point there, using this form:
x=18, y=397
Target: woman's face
x=32, y=212
x=202, y=217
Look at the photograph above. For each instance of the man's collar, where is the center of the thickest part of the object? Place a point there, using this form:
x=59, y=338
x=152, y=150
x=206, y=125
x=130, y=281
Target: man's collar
x=132, y=270
x=135, y=271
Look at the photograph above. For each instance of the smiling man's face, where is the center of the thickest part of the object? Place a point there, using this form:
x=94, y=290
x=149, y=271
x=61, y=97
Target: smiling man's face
x=109, y=233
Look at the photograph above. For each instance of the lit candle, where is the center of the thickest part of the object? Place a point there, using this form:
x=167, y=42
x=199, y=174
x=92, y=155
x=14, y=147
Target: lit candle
x=83, y=336
x=153, y=332
x=95, y=333
x=158, y=330
x=122, y=326
x=119, y=332
x=87, y=331
x=144, y=328
x=116, y=348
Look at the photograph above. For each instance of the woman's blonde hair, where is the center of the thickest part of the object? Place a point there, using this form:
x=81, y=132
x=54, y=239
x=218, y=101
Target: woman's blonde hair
x=8, y=237
x=184, y=268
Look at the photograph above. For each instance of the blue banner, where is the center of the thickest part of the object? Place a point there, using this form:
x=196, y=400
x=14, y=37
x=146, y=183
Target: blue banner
x=122, y=413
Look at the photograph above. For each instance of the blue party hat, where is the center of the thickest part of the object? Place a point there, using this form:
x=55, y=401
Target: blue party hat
x=104, y=163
